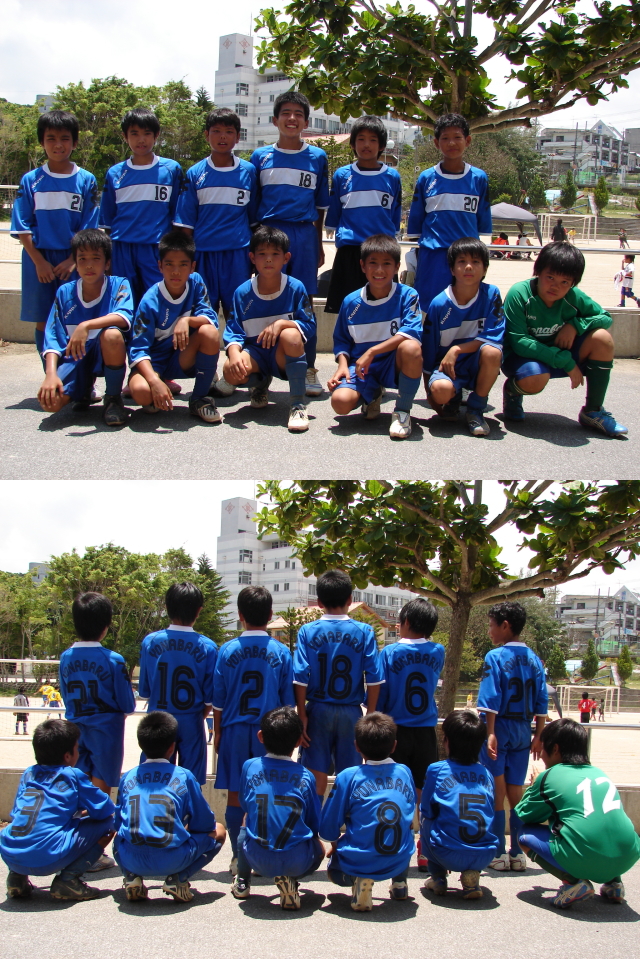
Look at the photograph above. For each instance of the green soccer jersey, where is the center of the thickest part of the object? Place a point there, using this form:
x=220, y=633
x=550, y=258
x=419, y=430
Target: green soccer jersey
x=531, y=327
x=592, y=836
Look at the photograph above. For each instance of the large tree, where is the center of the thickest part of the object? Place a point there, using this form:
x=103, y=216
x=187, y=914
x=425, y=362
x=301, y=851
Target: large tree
x=437, y=539
x=351, y=56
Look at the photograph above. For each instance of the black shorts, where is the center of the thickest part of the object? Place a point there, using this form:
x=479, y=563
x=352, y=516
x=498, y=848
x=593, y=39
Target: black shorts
x=346, y=276
x=417, y=748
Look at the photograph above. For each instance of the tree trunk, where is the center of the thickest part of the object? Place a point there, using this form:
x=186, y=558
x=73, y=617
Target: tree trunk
x=451, y=672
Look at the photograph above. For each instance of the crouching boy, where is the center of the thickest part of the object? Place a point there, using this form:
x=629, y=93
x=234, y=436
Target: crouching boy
x=60, y=822
x=164, y=825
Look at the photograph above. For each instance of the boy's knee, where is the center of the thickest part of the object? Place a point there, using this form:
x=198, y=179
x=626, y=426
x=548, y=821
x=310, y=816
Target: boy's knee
x=533, y=384
x=210, y=336
x=112, y=337
x=490, y=356
x=342, y=404
x=440, y=392
x=292, y=338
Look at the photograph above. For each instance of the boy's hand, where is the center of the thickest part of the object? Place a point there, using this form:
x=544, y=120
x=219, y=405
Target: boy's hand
x=237, y=369
x=161, y=395
x=216, y=741
x=77, y=345
x=338, y=379
x=44, y=270
x=181, y=333
x=448, y=364
x=492, y=746
x=64, y=270
x=363, y=364
x=306, y=742
x=565, y=336
x=270, y=334
x=50, y=390
x=576, y=377
x=321, y=256
x=331, y=850
x=536, y=747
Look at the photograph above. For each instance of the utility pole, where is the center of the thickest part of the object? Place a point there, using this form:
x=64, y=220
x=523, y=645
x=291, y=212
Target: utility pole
x=595, y=630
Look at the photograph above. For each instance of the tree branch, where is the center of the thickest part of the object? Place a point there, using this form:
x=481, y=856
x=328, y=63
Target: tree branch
x=433, y=521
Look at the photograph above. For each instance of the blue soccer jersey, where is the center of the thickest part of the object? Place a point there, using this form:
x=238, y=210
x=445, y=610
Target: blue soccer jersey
x=411, y=669
x=364, y=203
x=333, y=658
x=513, y=686
x=456, y=809
x=253, y=675
x=376, y=802
x=158, y=314
x=448, y=206
x=294, y=184
x=52, y=207
x=363, y=322
x=252, y=312
x=219, y=204
x=70, y=309
x=280, y=799
x=448, y=324
x=176, y=670
x=45, y=819
x=139, y=202
x=94, y=681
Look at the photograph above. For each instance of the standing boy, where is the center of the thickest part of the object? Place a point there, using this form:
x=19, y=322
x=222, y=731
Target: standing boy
x=21, y=699
x=451, y=200
x=53, y=202
x=626, y=287
x=366, y=199
x=512, y=691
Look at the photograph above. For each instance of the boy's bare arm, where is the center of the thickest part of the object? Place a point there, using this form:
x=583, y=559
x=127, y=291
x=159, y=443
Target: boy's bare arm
x=387, y=346
x=160, y=392
x=43, y=267
x=300, y=693
x=492, y=741
x=52, y=385
x=373, y=694
x=536, y=744
x=217, y=729
x=319, y=225
x=76, y=347
x=342, y=373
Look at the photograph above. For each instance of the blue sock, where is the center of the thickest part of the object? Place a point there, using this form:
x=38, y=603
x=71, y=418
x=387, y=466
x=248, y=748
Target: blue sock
x=310, y=348
x=113, y=379
x=39, y=338
x=499, y=823
x=515, y=825
x=234, y=816
x=205, y=365
x=407, y=389
x=476, y=402
x=296, y=374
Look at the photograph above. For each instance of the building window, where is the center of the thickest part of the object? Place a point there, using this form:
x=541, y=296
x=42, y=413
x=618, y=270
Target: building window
x=287, y=564
x=278, y=544
x=605, y=154
x=243, y=133
x=264, y=567
x=394, y=601
x=259, y=99
x=580, y=606
x=276, y=565
x=285, y=587
x=246, y=556
x=242, y=89
x=357, y=596
x=606, y=142
x=619, y=607
x=258, y=121
x=629, y=624
x=319, y=123
x=276, y=587
x=368, y=598
x=242, y=109
x=381, y=600
x=587, y=138
x=334, y=126
x=293, y=564
x=559, y=139
x=272, y=97
x=609, y=605
x=244, y=579
x=312, y=589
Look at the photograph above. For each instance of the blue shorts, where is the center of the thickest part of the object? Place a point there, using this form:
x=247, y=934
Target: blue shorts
x=265, y=357
x=519, y=366
x=512, y=761
x=297, y=861
x=331, y=731
x=223, y=271
x=78, y=375
x=467, y=367
x=102, y=747
x=382, y=372
x=37, y=298
x=189, y=858
x=238, y=743
x=87, y=833
x=457, y=860
x=537, y=839
x=139, y=263
x=432, y=275
x=191, y=745
x=303, y=246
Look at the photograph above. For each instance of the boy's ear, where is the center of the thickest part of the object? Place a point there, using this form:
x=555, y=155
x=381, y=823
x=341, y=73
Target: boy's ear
x=261, y=738
x=252, y=257
x=192, y=270
x=287, y=257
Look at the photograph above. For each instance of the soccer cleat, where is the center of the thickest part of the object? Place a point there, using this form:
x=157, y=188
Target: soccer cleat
x=361, y=895
x=568, y=894
x=517, y=863
x=72, y=889
x=603, y=421
x=470, y=880
x=150, y=408
x=114, y=413
x=288, y=889
x=298, y=419
x=81, y=406
x=450, y=411
x=399, y=890
x=259, y=394
x=205, y=407
x=476, y=423
x=181, y=891
x=96, y=395
x=135, y=889
x=241, y=888
x=175, y=388
x=220, y=387
x=371, y=411
x=18, y=886
x=423, y=862
x=437, y=885
x=104, y=862
x=313, y=386
x=511, y=404
x=611, y=891
x=233, y=866
x=501, y=863
x=400, y=427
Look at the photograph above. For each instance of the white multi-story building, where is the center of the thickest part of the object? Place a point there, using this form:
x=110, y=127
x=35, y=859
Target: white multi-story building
x=39, y=572
x=602, y=149
x=612, y=620
x=240, y=87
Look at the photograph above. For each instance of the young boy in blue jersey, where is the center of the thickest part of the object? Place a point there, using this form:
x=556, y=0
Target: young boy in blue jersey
x=512, y=691
x=84, y=335
x=554, y=329
x=451, y=200
x=293, y=181
x=366, y=199
x=253, y=675
x=334, y=657
x=376, y=802
x=270, y=322
x=176, y=675
x=282, y=812
x=456, y=812
x=60, y=822
x=462, y=337
x=175, y=334
x=376, y=340
x=164, y=825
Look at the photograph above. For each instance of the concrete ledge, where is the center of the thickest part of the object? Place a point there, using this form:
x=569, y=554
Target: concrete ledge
x=11, y=329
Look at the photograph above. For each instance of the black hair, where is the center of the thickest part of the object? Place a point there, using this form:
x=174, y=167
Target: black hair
x=503, y=236
x=372, y=125
x=448, y=120
x=560, y=257
x=572, y=740
x=281, y=730
x=224, y=117
x=291, y=96
x=92, y=613
x=465, y=732
x=630, y=256
x=255, y=605
x=421, y=615
x=334, y=588
x=467, y=246
x=156, y=732
x=141, y=117
x=91, y=239
x=57, y=120
x=183, y=601
x=380, y=243
x=269, y=236
x=375, y=735
x=513, y=613
x=21, y=690
x=52, y=739
x=176, y=241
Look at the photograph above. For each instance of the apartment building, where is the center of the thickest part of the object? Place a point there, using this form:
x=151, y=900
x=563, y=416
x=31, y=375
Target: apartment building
x=613, y=621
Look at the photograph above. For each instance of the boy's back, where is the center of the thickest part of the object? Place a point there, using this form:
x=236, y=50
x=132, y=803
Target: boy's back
x=411, y=670
x=513, y=686
x=280, y=799
x=333, y=657
x=94, y=682
x=176, y=670
x=457, y=807
x=253, y=674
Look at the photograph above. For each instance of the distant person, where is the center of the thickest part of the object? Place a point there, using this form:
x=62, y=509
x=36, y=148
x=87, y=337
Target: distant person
x=558, y=234
x=624, y=280
x=624, y=240
x=584, y=707
x=21, y=700
x=601, y=711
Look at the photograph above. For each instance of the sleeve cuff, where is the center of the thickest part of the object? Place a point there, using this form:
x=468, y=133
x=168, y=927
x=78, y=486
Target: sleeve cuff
x=298, y=682
x=189, y=226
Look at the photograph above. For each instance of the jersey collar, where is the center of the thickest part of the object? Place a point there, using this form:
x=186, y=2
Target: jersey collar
x=154, y=761
x=356, y=169
x=422, y=639
x=451, y=176
x=167, y=296
x=86, y=642
x=224, y=169
x=60, y=176
x=515, y=642
x=89, y=303
x=269, y=296
x=378, y=762
x=335, y=616
x=452, y=296
x=254, y=632
x=147, y=166
x=180, y=629
x=385, y=299
x=305, y=146
x=288, y=759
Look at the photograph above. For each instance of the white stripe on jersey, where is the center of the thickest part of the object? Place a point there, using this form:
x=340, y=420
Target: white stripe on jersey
x=288, y=177
x=55, y=200
x=367, y=198
x=227, y=195
x=256, y=324
x=144, y=192
x=92, y=333
x=456, y=202
x=469, y=329
x=162, y=334
x=374, y=332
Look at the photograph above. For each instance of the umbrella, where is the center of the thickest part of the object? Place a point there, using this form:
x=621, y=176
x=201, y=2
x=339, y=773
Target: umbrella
x=516, y=214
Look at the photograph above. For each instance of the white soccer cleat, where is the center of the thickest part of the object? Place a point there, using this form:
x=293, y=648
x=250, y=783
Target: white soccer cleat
x=400, y=425
x=518, y=863
x=298, y=419
x=501, y=863
x=361, y=895
x=313, y=385
x=220, y=387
